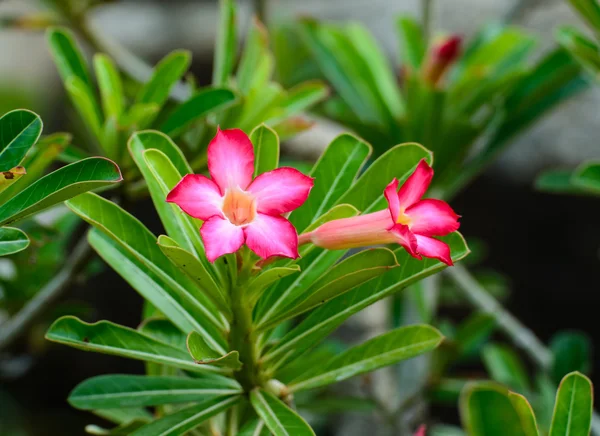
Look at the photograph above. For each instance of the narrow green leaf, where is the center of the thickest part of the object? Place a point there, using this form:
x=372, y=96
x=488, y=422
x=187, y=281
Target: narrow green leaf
x=85, y=103
x=473, y=332
x=334, y=173
x=573, y=408
x=112, y=391
x=19, y=130
x=67, y=55
x=108, y=338
x=206, y=101
x=204, y=354
x=525, y=412
x=558, y=182
x=412, y=44
x=325, y=319
x=255, y=427
x=12, y=241
x=266, y=149
x=505, y=367
x=62, y=184
x=257, y=63
x=124, y=415
x=182, y=421
x=585, y=51
x=343, y=277
x=166, y=74
x=195, y=270
x=387, y=349
x=279, y=418
x=257, y=286
x=137, y=240
x=140, y=115
x=225, y=50
x=302, y=97
x=587, y=176
x=163, y=330
x=111, y=87
x=589, y=11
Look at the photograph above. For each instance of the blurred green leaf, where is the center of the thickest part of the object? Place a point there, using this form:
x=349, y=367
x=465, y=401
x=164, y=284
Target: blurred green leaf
x=572, y=352
x=505, y=367
x=85, y=103
x=166, y=74
x=12, y=241
x=589, y=11
x=67, y=56
x=587, y=176
x=473, y=332
x=573, y=407
x=19, y=131
x=257, y=63
x=109, y=83
x=279, y=418
x=412, y=43
x=225, y=50
x=581, y=48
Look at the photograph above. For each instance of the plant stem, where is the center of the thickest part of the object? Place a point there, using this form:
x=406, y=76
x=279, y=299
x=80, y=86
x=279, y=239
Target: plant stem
x=426, y=6
x=52, y=291
x=260, y=10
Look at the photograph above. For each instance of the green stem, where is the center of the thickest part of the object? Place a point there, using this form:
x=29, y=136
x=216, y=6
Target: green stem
x=426, y=19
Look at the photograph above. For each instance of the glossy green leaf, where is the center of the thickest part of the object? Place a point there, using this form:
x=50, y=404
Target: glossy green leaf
x=12, y=241
x=525, y=412
x=325, y=319
x=398, y=162
x=204, y=354
x=195, y=270
x=110, y=85
x=8, y=180
x=64, y=183
x=148, y=284
x=412, y=43
x=108, y=338
x=19, y=130
x=84, y=101
x=225, y=50
x=257, y=63
x=505, y=367
x=279, y=418
x=266, y=278
x=131, y=235
x=163, y=330
x=346, y=275
x=182, y=421
x=587, y=176
x=206, y=101
x=387, y=349
x=334, y=173
x=166, y=74
x=335, y=213
x=487, y=410
x=112, y=391
x=573, y=407
x=255, y=427
x=266, y=149
x=67, y=56
x=572, y=352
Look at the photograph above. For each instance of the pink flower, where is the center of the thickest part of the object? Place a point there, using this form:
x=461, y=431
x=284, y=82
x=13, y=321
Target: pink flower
x=441, y=56
x=421, y=431
x=236, y=209
x=408, y=221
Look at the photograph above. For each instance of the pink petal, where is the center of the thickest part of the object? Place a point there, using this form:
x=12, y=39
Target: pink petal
x=391, y=194
x=430, y=247
x=406, y=238
x=270, y=236
x=281, y=190
x=198, y=196
x=220, y=237
x=421, y=431
x=231, y=159
x=416, y=185
x=432, y=218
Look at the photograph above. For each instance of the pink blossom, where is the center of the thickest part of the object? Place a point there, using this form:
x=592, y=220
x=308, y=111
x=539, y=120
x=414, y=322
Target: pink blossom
x=408, y=221
x=236, y=209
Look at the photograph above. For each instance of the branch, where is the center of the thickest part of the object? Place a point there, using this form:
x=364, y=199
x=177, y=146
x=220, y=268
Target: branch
x=50, y=293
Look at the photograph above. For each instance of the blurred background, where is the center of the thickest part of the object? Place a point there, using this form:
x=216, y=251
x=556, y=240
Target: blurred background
x=544, y=247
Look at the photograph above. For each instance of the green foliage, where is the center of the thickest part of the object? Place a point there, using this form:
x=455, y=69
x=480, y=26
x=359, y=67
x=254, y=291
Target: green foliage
x=584, y=180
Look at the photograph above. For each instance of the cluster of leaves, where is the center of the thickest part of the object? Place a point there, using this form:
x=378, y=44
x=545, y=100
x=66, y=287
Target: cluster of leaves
x=185, y=334
x=489, y=94
x=116, y=106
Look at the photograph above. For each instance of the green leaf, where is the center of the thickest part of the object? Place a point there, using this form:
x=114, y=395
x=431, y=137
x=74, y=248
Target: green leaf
x=334, y=173
x=302, y=97
x=8, y=180
x=587, y=176
x=225, y=50
x=19, y=130
x=206, y=101
x=346, y=275
x=120, y=430
x=67, y=56
x=525, y=412
x=144, y=281
x=335, y=213
x=84, y=101
x=279, y=418
x=412, y=44
x=581, y=48
x=572, y=352
x=257, y=63
x=204, y=354
x=398, y=162
x=325, y=319
x=505, y=367
x=166, y=74
x=62, y=184
x=140, y=115
x=255, y=427
x=257, y=286
x=387, y=349
x=182, y=421
x=589, y=11
x=108, y=338
x=124, y=415
x=558, y=182
x=266, y=149
x=116, y=391
x=111, y=87
x=131, y=235
x=164, y=330
x=12, y=241
x=195, y=270
x=474, y=331
x=486, y=409
x=573, y=407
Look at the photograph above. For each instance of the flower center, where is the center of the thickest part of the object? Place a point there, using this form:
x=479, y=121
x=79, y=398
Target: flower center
x=403, y=218
x=239, y=207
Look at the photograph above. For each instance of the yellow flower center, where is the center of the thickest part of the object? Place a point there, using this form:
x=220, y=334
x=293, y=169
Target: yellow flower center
x=403, y=218
x=239, y=207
